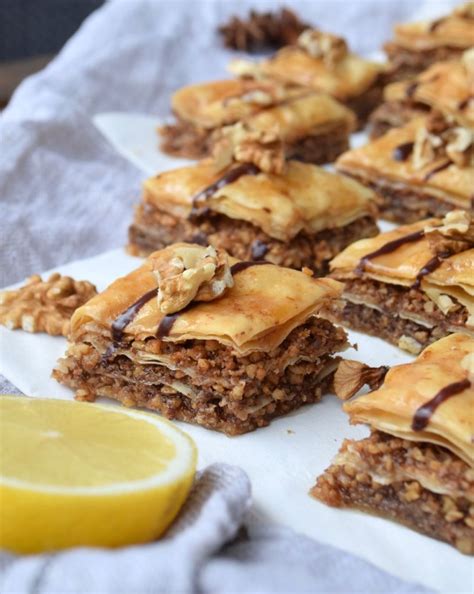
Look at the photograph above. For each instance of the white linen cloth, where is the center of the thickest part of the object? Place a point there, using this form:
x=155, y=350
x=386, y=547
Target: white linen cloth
x=66, y=194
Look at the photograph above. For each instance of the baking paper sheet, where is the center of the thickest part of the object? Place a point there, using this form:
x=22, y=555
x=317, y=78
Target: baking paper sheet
x=283, y=459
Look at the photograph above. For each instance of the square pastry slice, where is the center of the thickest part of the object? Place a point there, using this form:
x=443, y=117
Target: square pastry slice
x=255, y=205
x=417, y=465
x=412, y=285
x=446, y=86
x=415, y=46
x=206, y=339
x=314, y=127
x=423, y=169
x=323, y=62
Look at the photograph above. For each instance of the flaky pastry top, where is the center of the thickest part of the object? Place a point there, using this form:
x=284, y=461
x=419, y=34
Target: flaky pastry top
x=263, y=305
x=349, y=77
x=455, y=30
x=262, y=104
x=378, y=159
x=304, y=197
x=444, y=85
x=449, y=421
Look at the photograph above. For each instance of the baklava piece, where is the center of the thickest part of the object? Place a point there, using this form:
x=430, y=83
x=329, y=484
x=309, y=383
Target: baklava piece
x=416, y=46
x=206, y=339
x=44, y=305
x=314, y=127
x=322, y=62
x=410, y=286
x=416, y=467
x=256, y=205
x=423, y=169
x=446, y=86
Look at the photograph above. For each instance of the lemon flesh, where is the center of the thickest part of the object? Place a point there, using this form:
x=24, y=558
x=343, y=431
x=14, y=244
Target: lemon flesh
x=75, y=474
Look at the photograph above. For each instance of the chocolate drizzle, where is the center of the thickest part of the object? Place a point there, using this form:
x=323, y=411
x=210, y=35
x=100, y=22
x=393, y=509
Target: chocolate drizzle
x=429, y=267
x=430, y=174
x=425, y=412
x=388, y=248
x=119, y=325
x=411, y=89
x=229, y=177
x=464, y=103
x=403, y=151
x=435, y=24
x=239, y=266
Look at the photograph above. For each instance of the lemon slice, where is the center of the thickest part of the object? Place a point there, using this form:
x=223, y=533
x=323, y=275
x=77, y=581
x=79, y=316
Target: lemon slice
x=74, y=473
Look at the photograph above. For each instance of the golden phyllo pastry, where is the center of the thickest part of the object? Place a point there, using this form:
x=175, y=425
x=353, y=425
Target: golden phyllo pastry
x=322, y=61
x=425, y=168
x=445, y=86
x=256, y=205
x=412, y=285
x=417, y=466
x=415, y=46
x=205, y=338
x=314, y=126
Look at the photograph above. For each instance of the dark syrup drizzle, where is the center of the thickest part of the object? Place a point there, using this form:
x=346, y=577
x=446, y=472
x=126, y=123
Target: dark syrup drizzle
x=411, y=89
x=403, y=151
x=167, y=323
x=388, y=248
x=464, y=103
x=429, y=267
x=228, y=178
x=425, y=412
x=119, y=325
x=435, y=24
x=430, y=174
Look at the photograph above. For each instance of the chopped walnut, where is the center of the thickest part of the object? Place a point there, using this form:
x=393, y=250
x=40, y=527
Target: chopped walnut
x=245, y=69
x=262, y=30
x=244, y=145
x=192, y=274
x=409, y=344
x=455, y=234
x=440, y=140
x=351, y=376
x=44, y=306
x=327, y=46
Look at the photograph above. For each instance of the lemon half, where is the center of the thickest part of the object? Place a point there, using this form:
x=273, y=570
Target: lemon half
x=75, y=473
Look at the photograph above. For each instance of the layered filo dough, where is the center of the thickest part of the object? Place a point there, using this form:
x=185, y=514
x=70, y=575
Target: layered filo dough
x=314, y=126
x=445, y=86
x=300, y=217
x=417, y=465
x=417, y=292
x=234, y=355
x=413, y=171
x=415, y=46
x=322, y=61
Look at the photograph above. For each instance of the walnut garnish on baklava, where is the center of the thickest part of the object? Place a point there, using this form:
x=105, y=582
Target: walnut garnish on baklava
x=447, y=87
x=417, y=465
x=205, y=338
x=314, y=127
x=255, y=204
x=323, y=62
x=44, y=305
x=415, y=46
x=423, y=169
x=410, y=286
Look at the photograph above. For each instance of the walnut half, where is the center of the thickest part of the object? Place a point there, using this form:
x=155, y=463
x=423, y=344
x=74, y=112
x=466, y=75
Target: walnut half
x=351, y=376
x=44, y=306
x=192, y=274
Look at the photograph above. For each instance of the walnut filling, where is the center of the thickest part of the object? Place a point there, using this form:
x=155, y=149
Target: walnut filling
x=421, y=485
x=153, y=229
x=44, y=306
x=204, y=381
x=369, y=306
